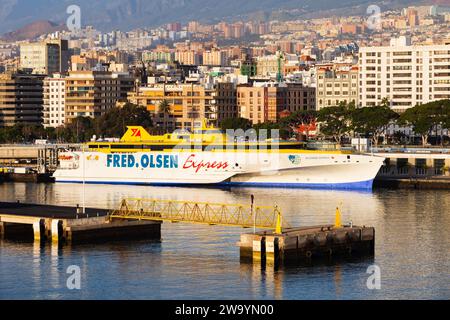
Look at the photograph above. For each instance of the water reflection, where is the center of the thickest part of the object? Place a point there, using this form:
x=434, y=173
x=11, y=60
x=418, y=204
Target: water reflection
x=202, y=262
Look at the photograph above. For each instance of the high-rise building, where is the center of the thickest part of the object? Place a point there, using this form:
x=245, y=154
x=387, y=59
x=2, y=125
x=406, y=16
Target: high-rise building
x=45, y=57
x=92, y=93
x=193, y=26
x=21, y=99
x=54, y=101
x=189, y=57
x=405, y=74
x=64, y=54
x=336, y=83
x=174, y=26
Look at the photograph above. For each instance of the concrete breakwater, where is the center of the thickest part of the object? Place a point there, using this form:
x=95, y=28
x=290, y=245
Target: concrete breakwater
x=65, y=225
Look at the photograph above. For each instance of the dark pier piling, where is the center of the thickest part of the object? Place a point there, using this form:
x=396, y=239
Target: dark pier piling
x=307, y=243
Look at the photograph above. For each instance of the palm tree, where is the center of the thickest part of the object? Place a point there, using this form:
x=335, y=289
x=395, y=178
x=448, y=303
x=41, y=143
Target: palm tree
x=164, y=109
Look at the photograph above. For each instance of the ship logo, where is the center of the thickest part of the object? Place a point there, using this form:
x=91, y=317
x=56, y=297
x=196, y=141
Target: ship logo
x=295, y=159
x=135, y=132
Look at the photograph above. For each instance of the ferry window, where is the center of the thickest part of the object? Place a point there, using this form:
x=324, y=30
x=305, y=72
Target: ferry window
x=161, y=147
x=290, y=146
x=125, y=146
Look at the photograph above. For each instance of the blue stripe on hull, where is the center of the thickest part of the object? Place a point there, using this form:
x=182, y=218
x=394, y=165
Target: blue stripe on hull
x=362, y=185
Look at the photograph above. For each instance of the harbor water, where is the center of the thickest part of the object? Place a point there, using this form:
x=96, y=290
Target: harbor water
x=202, y=262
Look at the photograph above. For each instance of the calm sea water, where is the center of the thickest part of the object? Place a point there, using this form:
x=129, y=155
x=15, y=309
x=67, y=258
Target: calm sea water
x=202, y=262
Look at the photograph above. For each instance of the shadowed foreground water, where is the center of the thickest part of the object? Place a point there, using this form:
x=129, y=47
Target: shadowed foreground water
x=202, y=262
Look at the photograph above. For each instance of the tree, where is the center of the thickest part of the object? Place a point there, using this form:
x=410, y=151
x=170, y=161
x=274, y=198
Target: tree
x=292, y=122
x=423, y=118
x=115, y=121
x=81, y=129
x=236, y=123
x=336, y=121
x=373, y=121
x=165, y=111
x=269, y=126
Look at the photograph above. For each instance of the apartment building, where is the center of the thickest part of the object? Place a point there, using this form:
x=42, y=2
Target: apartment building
x=188, y=57
x=214, y=58
x=189, y=103
x=92, y=93
x=158, y=56
x=21, y=99
x=54, y=101
x=225, y=105
x=269, y=65
x=405, y=74
x=336, y=83
x=45, y=57
x=264, y=102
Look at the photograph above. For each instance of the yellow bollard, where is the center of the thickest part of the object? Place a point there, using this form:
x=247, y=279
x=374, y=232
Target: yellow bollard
x=278, y=229
x=337, y=221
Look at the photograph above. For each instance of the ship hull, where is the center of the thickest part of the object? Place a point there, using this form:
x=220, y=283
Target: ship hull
x=282, y=170
x=359, y=185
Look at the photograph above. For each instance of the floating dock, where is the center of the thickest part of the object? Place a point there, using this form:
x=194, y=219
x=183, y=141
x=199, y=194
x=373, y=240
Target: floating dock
x=64, y=225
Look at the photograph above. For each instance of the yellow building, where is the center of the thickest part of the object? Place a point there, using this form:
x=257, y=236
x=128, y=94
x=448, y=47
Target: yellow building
x=189, y=103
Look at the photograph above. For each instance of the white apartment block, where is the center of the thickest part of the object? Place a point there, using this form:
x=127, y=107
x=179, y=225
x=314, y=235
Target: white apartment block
x=41, y=57
x=406, y=74
x=54, y=101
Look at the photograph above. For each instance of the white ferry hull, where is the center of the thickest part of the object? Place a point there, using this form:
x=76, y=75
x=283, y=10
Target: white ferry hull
x=289, y=169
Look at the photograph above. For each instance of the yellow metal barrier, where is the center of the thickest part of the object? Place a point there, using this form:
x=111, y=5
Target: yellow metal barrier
x=223, y=214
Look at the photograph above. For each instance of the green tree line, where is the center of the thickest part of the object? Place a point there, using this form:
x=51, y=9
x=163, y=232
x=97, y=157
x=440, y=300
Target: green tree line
x=111, y=124
x=336, y=122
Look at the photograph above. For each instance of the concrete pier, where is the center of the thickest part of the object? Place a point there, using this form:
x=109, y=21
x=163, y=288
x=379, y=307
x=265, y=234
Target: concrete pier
x=307, y=243
x=63, y=225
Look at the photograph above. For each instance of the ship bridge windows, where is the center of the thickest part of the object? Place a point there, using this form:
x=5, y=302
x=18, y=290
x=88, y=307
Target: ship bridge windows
x=197, y=147
x=127, y=146
x=98, y=146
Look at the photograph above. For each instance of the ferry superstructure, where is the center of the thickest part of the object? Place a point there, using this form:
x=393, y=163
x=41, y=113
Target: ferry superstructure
x=207, y=157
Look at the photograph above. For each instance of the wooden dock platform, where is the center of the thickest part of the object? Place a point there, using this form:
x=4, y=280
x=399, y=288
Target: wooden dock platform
x=62, y=224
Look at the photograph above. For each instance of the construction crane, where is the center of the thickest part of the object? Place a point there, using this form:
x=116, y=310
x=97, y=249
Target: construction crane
x=280, y=58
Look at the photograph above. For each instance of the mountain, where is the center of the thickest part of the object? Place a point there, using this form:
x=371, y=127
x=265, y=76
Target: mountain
x=33, y=30
x=128, y=14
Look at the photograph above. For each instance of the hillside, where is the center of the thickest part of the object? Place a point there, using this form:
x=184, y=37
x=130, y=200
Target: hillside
x=128, y=14
x=32, y=30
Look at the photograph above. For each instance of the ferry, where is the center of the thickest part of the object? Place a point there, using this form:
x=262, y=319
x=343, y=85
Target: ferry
x=207, y=156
